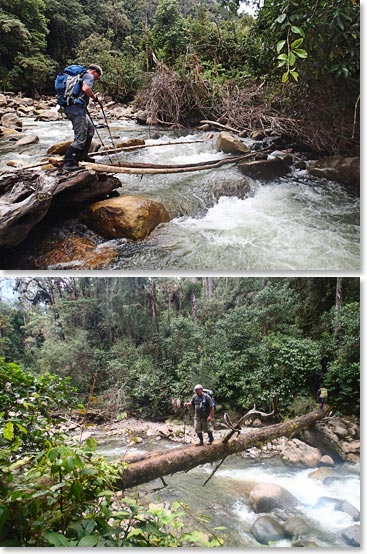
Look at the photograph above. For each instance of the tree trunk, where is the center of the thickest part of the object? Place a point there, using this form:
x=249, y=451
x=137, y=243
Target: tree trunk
x=158, y=464
x=26, y=196
x=338, y=304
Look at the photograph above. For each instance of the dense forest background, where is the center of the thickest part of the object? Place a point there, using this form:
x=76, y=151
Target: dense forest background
x=143, y=341
x=290, y=67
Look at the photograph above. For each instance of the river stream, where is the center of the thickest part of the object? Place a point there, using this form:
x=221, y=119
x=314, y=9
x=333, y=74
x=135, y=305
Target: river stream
x=224, y=502
x=221, y=219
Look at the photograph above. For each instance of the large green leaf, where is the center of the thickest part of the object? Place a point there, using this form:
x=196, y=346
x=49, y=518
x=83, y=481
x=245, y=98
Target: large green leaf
x=8, y=431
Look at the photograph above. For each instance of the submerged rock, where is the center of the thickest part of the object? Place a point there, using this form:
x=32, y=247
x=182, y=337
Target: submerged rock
x=352, y=535
x=265, y=497
x=128, y=216
x=77, y=252
x=296, y=526
x=266, y=529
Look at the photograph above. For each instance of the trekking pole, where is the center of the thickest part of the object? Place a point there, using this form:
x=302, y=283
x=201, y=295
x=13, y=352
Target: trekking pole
x=108, y=127
x=185, y=412
x=98, y=135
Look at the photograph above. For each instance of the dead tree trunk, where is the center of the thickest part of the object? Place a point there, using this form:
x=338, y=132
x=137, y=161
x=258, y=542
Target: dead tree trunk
x=162, y=463
x=26, y=197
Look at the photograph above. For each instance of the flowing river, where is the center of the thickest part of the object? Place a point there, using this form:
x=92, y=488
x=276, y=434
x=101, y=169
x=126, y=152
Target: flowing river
x=221, y=219
x=223, y=498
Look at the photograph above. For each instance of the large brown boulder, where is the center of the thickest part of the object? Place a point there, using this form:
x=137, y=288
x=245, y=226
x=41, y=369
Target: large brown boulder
x=229, y=144
x=132, y=217
x=265, y=497
x=337, y=168
x=265, y=170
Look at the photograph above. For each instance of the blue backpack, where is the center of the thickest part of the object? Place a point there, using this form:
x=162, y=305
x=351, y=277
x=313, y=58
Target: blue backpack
x=68, y=85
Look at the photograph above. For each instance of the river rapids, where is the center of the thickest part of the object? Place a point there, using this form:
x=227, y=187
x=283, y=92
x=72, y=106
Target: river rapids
x=221, y=219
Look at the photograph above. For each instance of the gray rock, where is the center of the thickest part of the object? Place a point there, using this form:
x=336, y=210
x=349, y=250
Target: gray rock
x=352, y=535
x=296, y=526
x=340, y=505
x=266, y=529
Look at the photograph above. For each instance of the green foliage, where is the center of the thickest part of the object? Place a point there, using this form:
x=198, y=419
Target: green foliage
x=59, y=494
x=149, y=340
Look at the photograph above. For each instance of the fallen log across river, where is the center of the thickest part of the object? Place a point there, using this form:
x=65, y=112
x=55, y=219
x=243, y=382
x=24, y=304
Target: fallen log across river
x=159, y=464
x=131, y=168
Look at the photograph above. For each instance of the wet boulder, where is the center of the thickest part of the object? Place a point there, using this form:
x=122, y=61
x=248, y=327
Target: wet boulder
x=128, y=216
x=265, y=170
x=266, y=497
x=352, y=535
x=296, y=527
x=337, y=168
x=130, y=143
x=266, y=529
x=3, y=100
x=300, y=454
x=76, y=253
x=321, y=474
x=229, y=144
x=339, y=505
x=59, y=148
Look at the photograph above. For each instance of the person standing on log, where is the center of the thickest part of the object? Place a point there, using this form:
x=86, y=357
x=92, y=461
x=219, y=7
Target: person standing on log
x=203, y=412
x=82, y=125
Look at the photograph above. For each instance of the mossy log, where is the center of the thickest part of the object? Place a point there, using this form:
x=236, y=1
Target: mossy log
x=161, y=463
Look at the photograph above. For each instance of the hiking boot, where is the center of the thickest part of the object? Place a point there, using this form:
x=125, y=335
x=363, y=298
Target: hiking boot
x=211, y=438
x=71, y=158
x=84, y=153
x=199, y=443
x=201, y=440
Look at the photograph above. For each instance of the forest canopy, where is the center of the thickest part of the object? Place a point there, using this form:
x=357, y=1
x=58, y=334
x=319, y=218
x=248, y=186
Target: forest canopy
x=146, y=340
x=199, y=60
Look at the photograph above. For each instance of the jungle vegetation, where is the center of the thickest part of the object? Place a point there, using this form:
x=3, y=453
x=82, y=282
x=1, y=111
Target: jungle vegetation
x=128, y=346
x=285, y=67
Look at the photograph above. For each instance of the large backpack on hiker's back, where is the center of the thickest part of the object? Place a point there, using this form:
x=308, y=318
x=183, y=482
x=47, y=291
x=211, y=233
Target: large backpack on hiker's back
x=68, y=85
x=211, y=394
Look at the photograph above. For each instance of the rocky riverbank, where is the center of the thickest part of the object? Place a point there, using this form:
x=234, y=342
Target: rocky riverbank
x=341, y=440
x=278, y=515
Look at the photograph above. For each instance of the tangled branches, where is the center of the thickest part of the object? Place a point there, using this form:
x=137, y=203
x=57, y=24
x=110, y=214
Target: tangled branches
x=320, y=119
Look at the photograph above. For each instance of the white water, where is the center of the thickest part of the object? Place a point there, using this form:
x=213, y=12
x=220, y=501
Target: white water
x=222, y=220
x=224, y=502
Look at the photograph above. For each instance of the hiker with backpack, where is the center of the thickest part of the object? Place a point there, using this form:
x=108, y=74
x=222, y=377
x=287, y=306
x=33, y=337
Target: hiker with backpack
x=75, y=87
x=322, y=394
x=203, y=405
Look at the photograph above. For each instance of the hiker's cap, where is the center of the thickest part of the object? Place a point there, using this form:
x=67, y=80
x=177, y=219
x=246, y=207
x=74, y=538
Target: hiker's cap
x=97, y=68
x=198, y=387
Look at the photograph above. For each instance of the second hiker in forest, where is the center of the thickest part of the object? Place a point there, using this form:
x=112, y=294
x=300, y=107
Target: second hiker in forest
x=203, y=405
x=82, y=125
